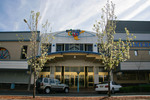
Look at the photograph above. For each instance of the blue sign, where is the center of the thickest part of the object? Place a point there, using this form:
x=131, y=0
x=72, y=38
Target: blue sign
x=140, y=44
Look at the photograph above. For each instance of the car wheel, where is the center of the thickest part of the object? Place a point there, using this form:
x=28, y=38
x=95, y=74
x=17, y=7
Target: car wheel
x=112, y=91
x=66, y=90
x=47, y=90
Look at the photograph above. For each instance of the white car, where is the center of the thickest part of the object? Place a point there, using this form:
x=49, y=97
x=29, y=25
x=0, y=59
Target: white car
x=103, y=87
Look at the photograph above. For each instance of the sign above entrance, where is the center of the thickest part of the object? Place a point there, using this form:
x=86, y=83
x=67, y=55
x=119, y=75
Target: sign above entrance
x=74, y=33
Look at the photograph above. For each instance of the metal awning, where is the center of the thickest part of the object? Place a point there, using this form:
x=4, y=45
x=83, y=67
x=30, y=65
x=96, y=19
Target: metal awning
x=86, y=55
x=13, y=65
x=135, y=65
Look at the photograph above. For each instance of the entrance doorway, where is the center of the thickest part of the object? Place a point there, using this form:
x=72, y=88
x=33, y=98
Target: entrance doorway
x=69, y=76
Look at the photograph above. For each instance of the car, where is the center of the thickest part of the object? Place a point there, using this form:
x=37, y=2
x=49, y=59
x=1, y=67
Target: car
x=103, y=87
x=47, y=85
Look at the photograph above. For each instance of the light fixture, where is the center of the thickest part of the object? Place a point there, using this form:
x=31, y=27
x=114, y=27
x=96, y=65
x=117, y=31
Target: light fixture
x=74, y=57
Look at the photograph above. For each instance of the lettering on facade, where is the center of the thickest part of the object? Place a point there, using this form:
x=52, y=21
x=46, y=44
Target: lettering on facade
x=140, y=44
x=74, y=33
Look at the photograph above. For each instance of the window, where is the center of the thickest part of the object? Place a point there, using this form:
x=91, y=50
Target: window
x=141, y=76
x=59, y=47
x=45, y=80
x=66, y=47
x=74, y=69
x=51, y=80
x=66, y=69
x=23, y=52
x=74, y=47
x=4, y=54
x=46, y=69
x=127, y=76
x=149, y=52
x=136, y=53
x=81, y=47
x=88, y=47
x=57, y=81
x=58, y=69
x=49, y=48
x=81, y=69
x=90, y=69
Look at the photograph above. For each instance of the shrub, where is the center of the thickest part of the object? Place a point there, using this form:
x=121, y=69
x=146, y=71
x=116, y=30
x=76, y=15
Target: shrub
x=140, y=88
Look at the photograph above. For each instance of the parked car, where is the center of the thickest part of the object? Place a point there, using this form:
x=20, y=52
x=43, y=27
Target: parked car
x=103, y=87
x=47, y=85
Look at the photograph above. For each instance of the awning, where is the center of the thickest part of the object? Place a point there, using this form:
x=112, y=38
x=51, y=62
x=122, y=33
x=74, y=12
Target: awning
x=86, y=55
x=135, y=65
x=13, y=65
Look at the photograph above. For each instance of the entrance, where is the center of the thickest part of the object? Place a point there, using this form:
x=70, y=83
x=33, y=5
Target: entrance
x=69, y=76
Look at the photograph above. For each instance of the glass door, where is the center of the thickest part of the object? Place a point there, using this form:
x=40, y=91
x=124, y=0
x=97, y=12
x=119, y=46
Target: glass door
x=81, y=79
x=71, y=76
x=90, y=77
x=58, y=73
x=70, y=79
x=103, y=76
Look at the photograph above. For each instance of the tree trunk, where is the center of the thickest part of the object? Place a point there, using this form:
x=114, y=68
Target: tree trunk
x=29, y=84
x=109, y=92
x=34, y=87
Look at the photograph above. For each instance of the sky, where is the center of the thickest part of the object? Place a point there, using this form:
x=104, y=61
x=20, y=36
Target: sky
x=68, y=14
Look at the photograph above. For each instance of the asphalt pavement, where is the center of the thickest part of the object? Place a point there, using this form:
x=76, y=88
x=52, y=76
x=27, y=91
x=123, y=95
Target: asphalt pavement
x=72, y=93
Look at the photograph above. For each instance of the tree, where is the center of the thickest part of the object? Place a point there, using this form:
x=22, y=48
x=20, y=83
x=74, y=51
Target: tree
x=35, y=62
x=112, y=52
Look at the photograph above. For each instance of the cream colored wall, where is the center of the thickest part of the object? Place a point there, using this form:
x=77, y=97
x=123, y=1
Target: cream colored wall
x=14, y=49
x=143, y=54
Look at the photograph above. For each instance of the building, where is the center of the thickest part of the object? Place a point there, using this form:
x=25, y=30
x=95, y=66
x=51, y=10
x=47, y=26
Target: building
x=13, y=64
x=136, y=70
x=75, y=53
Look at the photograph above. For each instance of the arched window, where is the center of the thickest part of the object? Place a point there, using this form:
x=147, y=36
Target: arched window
x=4, y=54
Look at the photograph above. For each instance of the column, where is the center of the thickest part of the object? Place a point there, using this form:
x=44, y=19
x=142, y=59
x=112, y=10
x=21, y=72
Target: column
x=52, y=74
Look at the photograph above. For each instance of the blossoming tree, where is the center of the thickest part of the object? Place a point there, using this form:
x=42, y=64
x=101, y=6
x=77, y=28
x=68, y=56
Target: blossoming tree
x=35, y=61
x=112, y=52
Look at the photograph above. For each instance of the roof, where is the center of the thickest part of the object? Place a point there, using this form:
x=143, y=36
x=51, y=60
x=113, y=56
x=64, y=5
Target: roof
x=133, y=26
x=12, y=35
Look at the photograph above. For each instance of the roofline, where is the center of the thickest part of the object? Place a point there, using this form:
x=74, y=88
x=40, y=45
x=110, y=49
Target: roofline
x=61, y=52
x=17, y=40
x=132, y=20
x=17, y=31
x=133, y=40
x=73, y=29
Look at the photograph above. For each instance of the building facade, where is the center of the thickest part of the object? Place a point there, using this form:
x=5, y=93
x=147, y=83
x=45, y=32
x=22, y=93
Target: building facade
x=13, y=64
x=75, y=53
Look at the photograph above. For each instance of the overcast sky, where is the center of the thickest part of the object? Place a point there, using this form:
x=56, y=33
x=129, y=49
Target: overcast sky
x=68, y=14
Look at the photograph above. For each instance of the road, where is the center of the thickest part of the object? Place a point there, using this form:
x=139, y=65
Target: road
x=70, y=94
